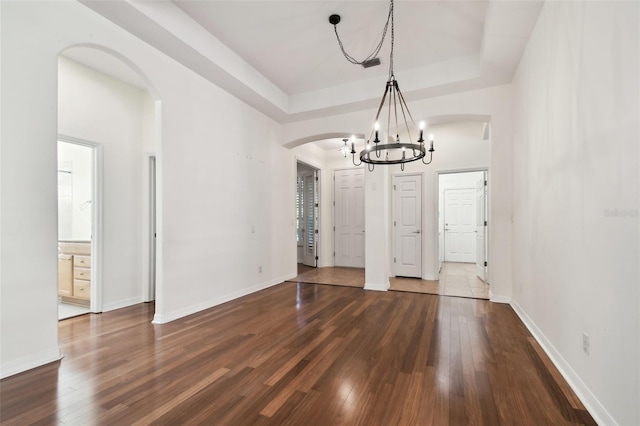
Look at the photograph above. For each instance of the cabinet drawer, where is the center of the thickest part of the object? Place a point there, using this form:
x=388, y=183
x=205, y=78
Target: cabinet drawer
x=82, y=261
x=82, y=274
x=81, y=289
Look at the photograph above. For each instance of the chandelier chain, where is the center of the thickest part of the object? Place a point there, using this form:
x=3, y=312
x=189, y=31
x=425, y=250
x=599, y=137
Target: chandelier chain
x=376, y=49
x=392, y=39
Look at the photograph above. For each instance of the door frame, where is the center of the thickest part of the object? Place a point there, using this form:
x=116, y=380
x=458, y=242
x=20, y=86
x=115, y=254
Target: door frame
x=318, y=171
x=422, y=221
x=484, y=191
x=436, y=224
x=150, y=210
x=97, y=226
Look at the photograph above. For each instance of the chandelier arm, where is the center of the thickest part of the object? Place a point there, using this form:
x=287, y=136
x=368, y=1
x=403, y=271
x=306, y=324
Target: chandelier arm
x=405, y=104
x=395, y=110
x=370, y=167
x=386, y=138
x=403, y=107
x=384, y=97
x=392, y=90
x=430, y=159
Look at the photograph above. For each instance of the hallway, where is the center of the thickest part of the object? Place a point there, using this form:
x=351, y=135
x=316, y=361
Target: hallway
x=456, y=279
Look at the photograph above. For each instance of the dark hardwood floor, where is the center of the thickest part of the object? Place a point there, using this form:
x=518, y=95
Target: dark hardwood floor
x=299, y=354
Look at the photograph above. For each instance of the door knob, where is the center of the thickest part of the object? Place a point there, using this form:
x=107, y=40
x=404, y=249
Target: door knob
x=416, y=232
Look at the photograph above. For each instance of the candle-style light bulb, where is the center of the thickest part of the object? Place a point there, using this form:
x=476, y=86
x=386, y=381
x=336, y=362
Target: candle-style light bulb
x=422, y=125
x=376, y=128
x=403, y=153
x=431, y=139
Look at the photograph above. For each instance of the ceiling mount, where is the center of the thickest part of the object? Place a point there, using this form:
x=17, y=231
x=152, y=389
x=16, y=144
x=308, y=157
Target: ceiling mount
x=371, y=63
x=334, y=19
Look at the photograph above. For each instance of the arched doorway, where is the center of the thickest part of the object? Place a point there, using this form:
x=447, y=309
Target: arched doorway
x=105, y=102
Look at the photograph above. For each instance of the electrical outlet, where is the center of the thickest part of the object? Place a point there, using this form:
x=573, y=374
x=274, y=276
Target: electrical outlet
x=585, y=343
x=259, y=269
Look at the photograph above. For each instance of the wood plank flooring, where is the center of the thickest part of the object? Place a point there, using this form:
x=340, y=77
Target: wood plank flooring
x=299, y=354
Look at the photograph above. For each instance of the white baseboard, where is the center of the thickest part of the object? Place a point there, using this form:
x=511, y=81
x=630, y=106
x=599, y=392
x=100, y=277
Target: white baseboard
x=377, y=287
x=430, y=278
x=172, y=316
x=497, y=298
x=122, y=303
x=588, y=399
x=28, y=362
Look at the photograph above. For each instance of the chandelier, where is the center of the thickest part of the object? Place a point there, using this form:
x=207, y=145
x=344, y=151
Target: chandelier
x=390, y=149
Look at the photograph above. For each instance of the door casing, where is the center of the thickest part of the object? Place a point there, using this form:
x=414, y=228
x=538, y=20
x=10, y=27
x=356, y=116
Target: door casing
x=95, y=302
x=436, y=226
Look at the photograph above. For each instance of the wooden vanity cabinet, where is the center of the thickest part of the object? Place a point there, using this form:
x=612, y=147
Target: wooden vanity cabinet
x=74, y=272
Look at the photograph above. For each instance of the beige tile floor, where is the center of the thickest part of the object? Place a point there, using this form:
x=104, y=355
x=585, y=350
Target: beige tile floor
x=456, y=279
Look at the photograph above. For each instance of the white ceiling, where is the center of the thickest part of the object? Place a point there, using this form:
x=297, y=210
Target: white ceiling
x=282, y=58
x=294, y=46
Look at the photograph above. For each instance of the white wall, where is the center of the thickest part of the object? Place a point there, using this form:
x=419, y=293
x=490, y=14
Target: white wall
x=491, y=104
x=459, y=146
x=222, y=171
x=575, y=160
x=100, y=109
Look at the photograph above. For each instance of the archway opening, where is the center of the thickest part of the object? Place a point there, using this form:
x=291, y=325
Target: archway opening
x=107, y=104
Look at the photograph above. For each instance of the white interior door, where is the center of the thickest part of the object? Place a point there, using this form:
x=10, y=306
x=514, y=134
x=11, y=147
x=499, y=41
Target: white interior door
x=309, y=230
x=349, y=218
x=480, y=229
x=407, y=191
x=460, y=225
